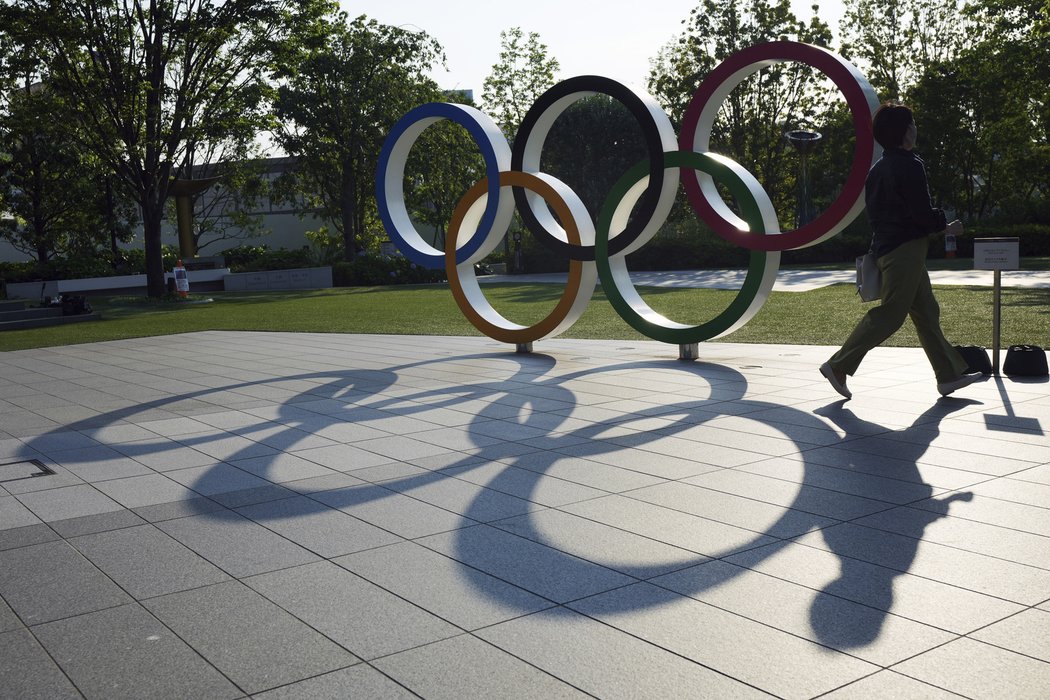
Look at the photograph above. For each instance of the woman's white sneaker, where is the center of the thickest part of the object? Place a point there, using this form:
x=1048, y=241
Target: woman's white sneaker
x=946, y=388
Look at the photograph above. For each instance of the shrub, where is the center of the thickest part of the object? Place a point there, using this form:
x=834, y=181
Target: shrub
x=261, y=259
x=372, y=270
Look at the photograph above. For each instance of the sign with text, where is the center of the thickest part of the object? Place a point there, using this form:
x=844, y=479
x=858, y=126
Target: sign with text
x=996, y=254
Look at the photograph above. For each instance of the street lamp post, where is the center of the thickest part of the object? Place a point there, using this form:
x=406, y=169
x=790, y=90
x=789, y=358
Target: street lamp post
x=804, y=142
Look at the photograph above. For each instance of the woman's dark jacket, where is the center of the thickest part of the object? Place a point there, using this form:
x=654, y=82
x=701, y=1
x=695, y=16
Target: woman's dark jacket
x=898, y=201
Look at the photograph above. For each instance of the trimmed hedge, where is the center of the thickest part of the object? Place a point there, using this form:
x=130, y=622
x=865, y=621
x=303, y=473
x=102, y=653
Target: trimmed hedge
x=102, y=264
x=376, y=270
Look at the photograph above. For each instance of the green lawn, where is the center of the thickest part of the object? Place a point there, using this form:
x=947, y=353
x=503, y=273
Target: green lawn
x=819, y=317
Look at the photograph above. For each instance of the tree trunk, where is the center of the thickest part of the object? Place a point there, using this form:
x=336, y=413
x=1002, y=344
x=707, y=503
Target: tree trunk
x=347, y=210
x=152, y=215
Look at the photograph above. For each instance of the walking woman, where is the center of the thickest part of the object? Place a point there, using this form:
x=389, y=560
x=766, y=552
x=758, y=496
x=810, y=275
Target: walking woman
x=901, y=215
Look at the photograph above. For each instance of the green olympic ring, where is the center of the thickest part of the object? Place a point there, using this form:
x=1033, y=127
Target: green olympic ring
x=616, y=280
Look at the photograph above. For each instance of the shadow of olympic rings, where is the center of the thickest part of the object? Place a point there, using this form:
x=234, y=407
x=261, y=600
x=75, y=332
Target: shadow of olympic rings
x=365, y=395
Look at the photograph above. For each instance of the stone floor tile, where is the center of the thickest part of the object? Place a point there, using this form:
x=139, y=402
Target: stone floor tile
x=543, y=570
x=662, y=466
x=14, y=515
x=164, y=454
x=25, y=536
x=216, y=478
x=992, y=540
x=909, y=470
x=673, y=527
x=389, y=510
x=90, y=524
x=282, y=468
x=467, y=598
x=583, y=471
x=172, y=427
x=226, y=447
x=891, y=590
x=771, y=520
x=728, y=643
x=235, y=544
x=465, y=666
x=197, y=505
x=61, y=440
x=249, y=639
x=905, y=446
x=611, y=547
x=992, y=576
x=978, y=670
x=1026, y=633
x=888, y=684
x=357, y=681
x=460, y=439
x=141, y=491
x=803, y=497
x=994, y=511
x=26, y=671
x=99, y=463
x=50, y=581
x=343, y=458
x=391, y=471
x=840, y=479
x=862, y=631
x=606, y=663
x=336, y=480
x=531, y=486
x=1038, y=475
x=68, y=502
x=251, y=496
x=125, y=652
x=1016, y=490
x=145, y=562
x=400, y=448
x=317, y=527
x=8, y=620
x=462, y=497
x=362, y=617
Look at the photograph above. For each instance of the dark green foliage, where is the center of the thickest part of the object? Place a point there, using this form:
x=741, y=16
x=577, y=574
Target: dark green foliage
x=378, y=270
x=261, y=258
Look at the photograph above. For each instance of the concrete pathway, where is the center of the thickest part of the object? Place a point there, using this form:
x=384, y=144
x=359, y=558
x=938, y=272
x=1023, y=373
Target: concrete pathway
x=795, y=280
x=225, y=515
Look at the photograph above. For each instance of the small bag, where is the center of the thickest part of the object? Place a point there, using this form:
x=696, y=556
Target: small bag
x=976, y=358
x=869, y=278
x=1025, y=361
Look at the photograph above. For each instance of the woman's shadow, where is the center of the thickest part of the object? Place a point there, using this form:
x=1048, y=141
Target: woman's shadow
x=874, y=583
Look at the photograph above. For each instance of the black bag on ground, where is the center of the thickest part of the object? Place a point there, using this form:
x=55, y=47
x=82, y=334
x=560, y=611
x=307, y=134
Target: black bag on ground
x=1025, y=361
x=976, y=358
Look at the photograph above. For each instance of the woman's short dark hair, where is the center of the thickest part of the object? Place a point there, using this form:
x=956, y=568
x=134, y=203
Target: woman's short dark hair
x=890, y=124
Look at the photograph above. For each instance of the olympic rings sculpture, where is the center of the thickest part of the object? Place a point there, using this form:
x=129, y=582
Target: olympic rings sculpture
x=597, y=250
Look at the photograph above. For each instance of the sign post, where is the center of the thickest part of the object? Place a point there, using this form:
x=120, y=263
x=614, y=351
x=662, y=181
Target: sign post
x=996, y=254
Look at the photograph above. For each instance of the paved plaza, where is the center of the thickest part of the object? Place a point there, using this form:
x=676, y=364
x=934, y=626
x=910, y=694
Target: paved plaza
x=277, y=515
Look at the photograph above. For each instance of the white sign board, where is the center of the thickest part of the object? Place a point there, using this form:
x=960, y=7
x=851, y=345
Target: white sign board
x=996, y=254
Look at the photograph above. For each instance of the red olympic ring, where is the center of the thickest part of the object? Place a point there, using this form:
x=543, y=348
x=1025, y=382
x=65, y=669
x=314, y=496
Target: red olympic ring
x=696, y=136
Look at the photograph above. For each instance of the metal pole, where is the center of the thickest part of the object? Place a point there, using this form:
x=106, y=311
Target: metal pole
x=995, y=322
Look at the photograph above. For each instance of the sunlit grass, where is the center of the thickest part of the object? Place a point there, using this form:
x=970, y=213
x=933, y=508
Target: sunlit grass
x=819, y=317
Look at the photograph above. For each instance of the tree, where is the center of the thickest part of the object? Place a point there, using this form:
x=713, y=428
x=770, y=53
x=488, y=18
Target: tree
x=591, y=146
x=223, y=212
x=154, y=79
x=443, y=165
x=49, y=185
x=983, y=116
x=341, y=87
x=523, y=73
x=897, y=41
x=751, y=124
x=46, y=184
